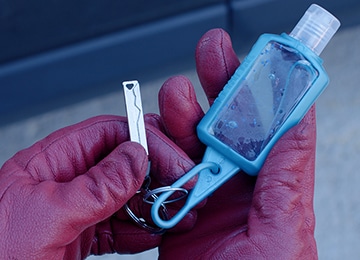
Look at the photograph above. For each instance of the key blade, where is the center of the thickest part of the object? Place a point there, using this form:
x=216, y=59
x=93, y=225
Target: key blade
x=134, y=113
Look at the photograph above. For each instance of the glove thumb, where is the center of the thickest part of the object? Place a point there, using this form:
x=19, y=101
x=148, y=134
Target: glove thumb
x=96, y=195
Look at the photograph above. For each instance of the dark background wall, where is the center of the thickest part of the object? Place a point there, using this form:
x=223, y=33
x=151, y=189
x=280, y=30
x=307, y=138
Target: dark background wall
x=53, y=52
x=30, y=27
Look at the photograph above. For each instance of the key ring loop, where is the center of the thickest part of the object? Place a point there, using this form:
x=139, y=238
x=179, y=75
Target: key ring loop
x=142, y=222
x=153, y=195
x=155, y=192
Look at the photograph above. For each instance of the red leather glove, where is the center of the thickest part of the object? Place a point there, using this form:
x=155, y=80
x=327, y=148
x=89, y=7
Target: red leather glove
x=61, y=198
x=268, y=217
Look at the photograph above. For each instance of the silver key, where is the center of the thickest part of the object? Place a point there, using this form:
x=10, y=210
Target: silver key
x=136, y=125
x=137, y=131
x=134, y=113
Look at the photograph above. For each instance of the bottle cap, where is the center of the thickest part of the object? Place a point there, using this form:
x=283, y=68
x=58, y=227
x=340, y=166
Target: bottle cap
x=316, y=28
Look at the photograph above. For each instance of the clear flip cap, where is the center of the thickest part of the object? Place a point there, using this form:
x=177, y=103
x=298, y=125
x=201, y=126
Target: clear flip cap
x=316, y=28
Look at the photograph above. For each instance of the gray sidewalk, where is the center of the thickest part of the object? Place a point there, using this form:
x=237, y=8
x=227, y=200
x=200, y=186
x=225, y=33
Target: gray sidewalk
x=337, y=193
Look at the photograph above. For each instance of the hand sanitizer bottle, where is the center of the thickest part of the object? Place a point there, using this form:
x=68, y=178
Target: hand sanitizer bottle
x=270, y=92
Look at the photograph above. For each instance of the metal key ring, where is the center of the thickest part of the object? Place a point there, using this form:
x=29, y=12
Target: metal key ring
x=142, y=222
x=153, y=193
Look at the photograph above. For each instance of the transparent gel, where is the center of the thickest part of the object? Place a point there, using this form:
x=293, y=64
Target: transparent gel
x=264, y=99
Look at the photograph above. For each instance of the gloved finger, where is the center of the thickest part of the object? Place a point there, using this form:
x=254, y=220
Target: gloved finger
x=168, y=162
x=94, y=196
x=216, y=62
x=283, y=195
x=180, y=120
x=119, y=233
x=71, y=151
x=115, y=235
x=155, y=120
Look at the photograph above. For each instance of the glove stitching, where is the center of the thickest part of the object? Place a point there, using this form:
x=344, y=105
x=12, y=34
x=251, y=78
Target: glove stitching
x=223, y=54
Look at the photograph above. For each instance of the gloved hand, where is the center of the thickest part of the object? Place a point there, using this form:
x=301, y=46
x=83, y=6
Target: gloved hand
x=62, y=197
x=268, y=217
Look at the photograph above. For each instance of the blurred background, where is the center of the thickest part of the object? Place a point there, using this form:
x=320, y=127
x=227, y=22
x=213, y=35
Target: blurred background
x=63, y=61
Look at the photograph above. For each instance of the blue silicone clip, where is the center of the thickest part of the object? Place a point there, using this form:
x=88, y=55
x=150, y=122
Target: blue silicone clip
x=212, y=173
